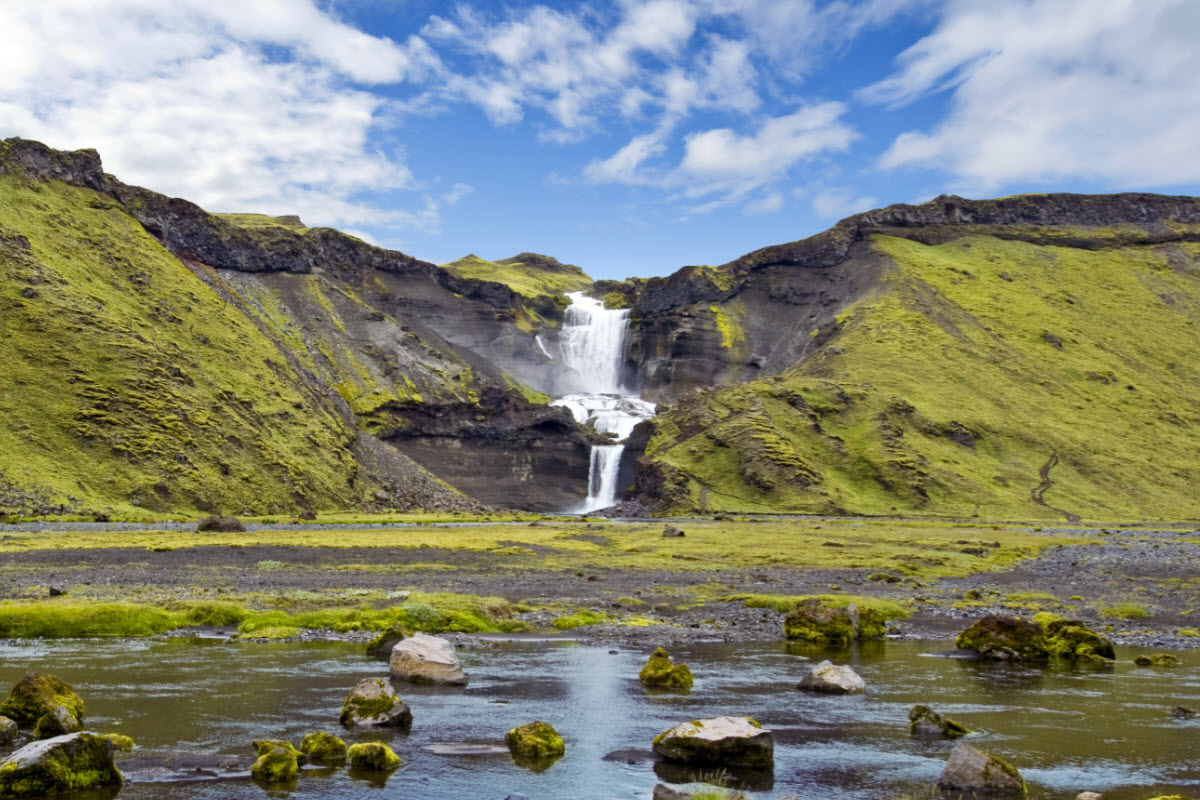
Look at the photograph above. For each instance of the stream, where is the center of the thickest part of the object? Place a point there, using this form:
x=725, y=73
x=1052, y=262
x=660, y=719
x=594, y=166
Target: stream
x=1067, y=730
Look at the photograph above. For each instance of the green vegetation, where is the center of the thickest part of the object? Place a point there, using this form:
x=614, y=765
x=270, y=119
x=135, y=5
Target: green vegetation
x=542, y=277
x=253, y=221
x=923, y=407
x=1125, y=611
x=579, y=619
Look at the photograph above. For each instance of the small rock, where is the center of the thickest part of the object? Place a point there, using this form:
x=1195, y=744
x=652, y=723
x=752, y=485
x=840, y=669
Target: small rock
x=56, y=591
x=426, y=659
x=373, y=703
x=8, y=730
x=324, y=748
x=373, y=756
x=1089, y=796
x=924, y=721
x=829, y=678
x=1157, y=660
x=276, y=763
x=29, y=293
x=970, y=770
x=660, y=672
x=63, y=764
x=57, y=722
x=721, y=741
x=1182, y=712
x=536, y=740
x=671, y=532
x=220, y=525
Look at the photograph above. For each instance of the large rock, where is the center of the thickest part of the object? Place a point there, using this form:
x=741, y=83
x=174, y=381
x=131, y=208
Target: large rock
x=973, y=771
x=924, y=721
x=426, y=659
x=1074, y=641
x=62, y=764
x=373, y=756
x=1001, y=638
x=721, y=741
x=323, y=748
x=813, y=620
x=38, y=694
x=660, y=672
x=373, y=703
x=57, y=722
x=831, y=678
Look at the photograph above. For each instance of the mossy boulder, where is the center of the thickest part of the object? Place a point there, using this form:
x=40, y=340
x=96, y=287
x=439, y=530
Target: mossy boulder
x=535, y=740
x=974, y=773
x=8, y=730
x=38, y=694
x=373, y=756
x=660, y=672
x=815, y=620
x=1157, y=660
x=264, y=747
x=721, y=741
x=1074, y=641
x=277, y=763
x=924, y=721
x=120, y=742
x=220, y=525
x=1002, y=638
x=373, y=703
x=381, y=646
x=57, y=722
x=63, y=764
x=324, y=748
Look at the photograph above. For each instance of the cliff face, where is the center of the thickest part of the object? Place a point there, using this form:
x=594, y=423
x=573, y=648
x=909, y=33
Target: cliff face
x=305, y=347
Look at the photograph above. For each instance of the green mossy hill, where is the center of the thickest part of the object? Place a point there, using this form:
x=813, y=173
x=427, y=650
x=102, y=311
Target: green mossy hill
x=276, y=763
x=836, y=621
x=373, y=756
x=38, y=694
x=981, y=376
x=535, y=740
x=660, y=672
x=288, y=221
x=322, y=747
x=528, y=274
x=73, y=763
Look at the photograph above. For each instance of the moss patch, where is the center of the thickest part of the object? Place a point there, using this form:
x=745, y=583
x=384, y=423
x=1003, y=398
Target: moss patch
x=660, y=672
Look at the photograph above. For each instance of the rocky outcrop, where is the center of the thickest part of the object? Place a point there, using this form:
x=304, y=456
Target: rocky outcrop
x=924, y=721
x=830, y=678
x=821, y=622
x=660, y=672
x=373, y=703
x=71, y=763
x=978, y=774
x=721, y=741
x=373, y=756
x=38, y=694
x=426, y=659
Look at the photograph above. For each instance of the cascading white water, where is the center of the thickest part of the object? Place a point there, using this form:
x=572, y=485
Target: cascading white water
x=593, y=347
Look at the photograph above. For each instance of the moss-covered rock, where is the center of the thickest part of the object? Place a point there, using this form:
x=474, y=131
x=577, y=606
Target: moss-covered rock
x=721, y=741
x=8, y=730
x=264, y=747
x=924, y=721
x=1001, y=638
x=1157, y=660
x=57, y=722
x=277, y=763
x=381, y=646
x=1074, y=641
x=815, y=620
x=63, y=764
x=120, y=742
x=323, y=748
x=535, y=740
x=660, y=672
x=373, y=703
x=38, y=694
x=373, y=756
x=220, y=525
x=975, y=773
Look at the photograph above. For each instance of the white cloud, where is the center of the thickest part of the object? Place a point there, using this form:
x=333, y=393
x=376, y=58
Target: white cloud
x=624, y=166
x=1045, y=90
x=841, y=203
x=194, y=99
x=766, y=204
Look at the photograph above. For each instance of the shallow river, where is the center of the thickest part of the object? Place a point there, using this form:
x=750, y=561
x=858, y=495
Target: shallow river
x=1067, y=730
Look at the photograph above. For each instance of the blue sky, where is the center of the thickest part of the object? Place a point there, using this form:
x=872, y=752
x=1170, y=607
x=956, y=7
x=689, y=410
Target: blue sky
x=629, y=137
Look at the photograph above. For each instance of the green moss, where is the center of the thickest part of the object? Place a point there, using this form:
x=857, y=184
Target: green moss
x=37, y=694
x=579, y=619
x=323, y=747
x=373, y=756
x=387, y=637
x=56, y=722
x=276, y=764
x=255, y=221
x=660, y=672
x=361, y=707
x=924, y=720
x=1074, y=641
x=535, y=740
x=83, y=762
x=834, y=619
x=996, y=637
x=732, y=335
x=527, y=279
x=1125, y=611
x=120, y=742
x=1157, y=660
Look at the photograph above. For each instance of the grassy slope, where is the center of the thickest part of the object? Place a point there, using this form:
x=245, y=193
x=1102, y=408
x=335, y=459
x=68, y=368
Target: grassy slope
x=528, y=281
x=946, y=393
x=111, y=397
x=252, y=221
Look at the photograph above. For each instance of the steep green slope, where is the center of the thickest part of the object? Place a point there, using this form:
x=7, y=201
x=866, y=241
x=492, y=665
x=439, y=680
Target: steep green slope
x=528, y=274
x=981, y=376
x=129, y=382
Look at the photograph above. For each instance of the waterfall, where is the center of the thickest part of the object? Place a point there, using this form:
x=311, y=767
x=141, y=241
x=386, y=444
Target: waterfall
x=593, y=348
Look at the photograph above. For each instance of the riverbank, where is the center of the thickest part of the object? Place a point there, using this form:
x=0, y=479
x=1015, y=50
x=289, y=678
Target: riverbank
x=619, y=582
